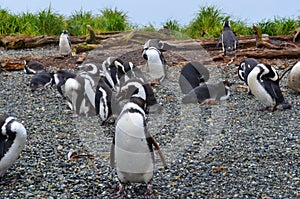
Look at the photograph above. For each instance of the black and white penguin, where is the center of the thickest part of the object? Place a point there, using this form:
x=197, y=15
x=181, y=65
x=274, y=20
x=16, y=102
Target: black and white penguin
x=106, y=104
x=157, y=64
x=294, y=78
x=33, y=67
x=60, y=78
x=263, y=82
x=229, y=40
x=192, y=75
x=40, y=80
x=132, y=148
x=208, y=93
x=65, y=44
x=245, y=68
x=12, y=141
x=120, y=72
x=80, y=91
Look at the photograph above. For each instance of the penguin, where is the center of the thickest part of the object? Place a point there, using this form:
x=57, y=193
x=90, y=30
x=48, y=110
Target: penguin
x=106, y=104
x=157, y=64
x=40, y=80
x=12, y=141
x=208, y=93
x=229, y=40
x=65, y=44
x=245, y=68
x=132, y=148
x=263, y=82
x=60, y=78
x=121, y=72
x=293, y=80
x=192, y=75
x=33, y=67
x=80, y=91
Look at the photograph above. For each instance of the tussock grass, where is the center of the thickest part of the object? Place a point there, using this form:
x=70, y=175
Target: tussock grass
x=207, y=23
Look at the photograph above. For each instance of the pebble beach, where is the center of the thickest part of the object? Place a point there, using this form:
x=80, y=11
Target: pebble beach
x=227, y=150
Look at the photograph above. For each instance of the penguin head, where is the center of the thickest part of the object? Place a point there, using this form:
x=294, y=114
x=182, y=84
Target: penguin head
x=134, y=90
x=226, y=24
x=65, y=32
x=90, y=68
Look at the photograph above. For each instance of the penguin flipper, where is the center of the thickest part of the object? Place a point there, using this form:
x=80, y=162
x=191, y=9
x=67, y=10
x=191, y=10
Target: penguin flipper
x=274, y=90
x=218, y=41
x=160, y=153
x=2, y=145
x=112, y=154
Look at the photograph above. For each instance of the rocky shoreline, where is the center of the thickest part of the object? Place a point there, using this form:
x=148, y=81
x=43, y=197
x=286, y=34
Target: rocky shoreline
x=228, y=150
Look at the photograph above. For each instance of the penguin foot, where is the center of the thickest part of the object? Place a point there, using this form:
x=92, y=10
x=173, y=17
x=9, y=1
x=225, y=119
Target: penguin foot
x=283, y=106
x=267, y=109
x=210, y=102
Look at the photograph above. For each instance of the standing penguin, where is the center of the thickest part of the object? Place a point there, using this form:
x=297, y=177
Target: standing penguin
x=192, y=75
x=33, y=67
x=132, y=148
x=157, y=64
x=65, y=44
x=208, y=93
x=229, y=40
x=106, y=104
x=12, y=141
x=263, y=82
x=245, y=68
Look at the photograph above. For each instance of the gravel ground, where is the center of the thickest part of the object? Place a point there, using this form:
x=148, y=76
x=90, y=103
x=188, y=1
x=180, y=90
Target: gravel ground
x=228, y=150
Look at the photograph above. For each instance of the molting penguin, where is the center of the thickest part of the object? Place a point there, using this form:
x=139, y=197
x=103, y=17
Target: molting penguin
x=192, y=74
x=208, y=93
x=12, y=141
x=263, y=82
x=60, y=78
x=294, y=78
x=65, y=44
x=156, y=64
x=229, y=40
x=245, y=68
x=33, y=67
x=132, y=148
x=40, y=80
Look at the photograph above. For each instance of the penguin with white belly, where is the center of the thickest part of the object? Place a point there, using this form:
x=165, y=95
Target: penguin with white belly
x=65, y=44
x=263, y=82
x=106, y=105
x=60, y=78
x=12, y=141
x=157, y=64
x=132, y=149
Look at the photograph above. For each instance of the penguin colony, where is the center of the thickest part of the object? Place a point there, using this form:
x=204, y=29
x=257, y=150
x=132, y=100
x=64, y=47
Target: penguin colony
x=98, y=88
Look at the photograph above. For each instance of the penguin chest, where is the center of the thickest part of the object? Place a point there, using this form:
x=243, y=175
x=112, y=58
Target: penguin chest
x=134, y=160
x=258, y=90
x=294, y=78
x=156, y=70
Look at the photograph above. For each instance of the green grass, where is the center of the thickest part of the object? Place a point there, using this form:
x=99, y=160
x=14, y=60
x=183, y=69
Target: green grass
x=207, y=23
